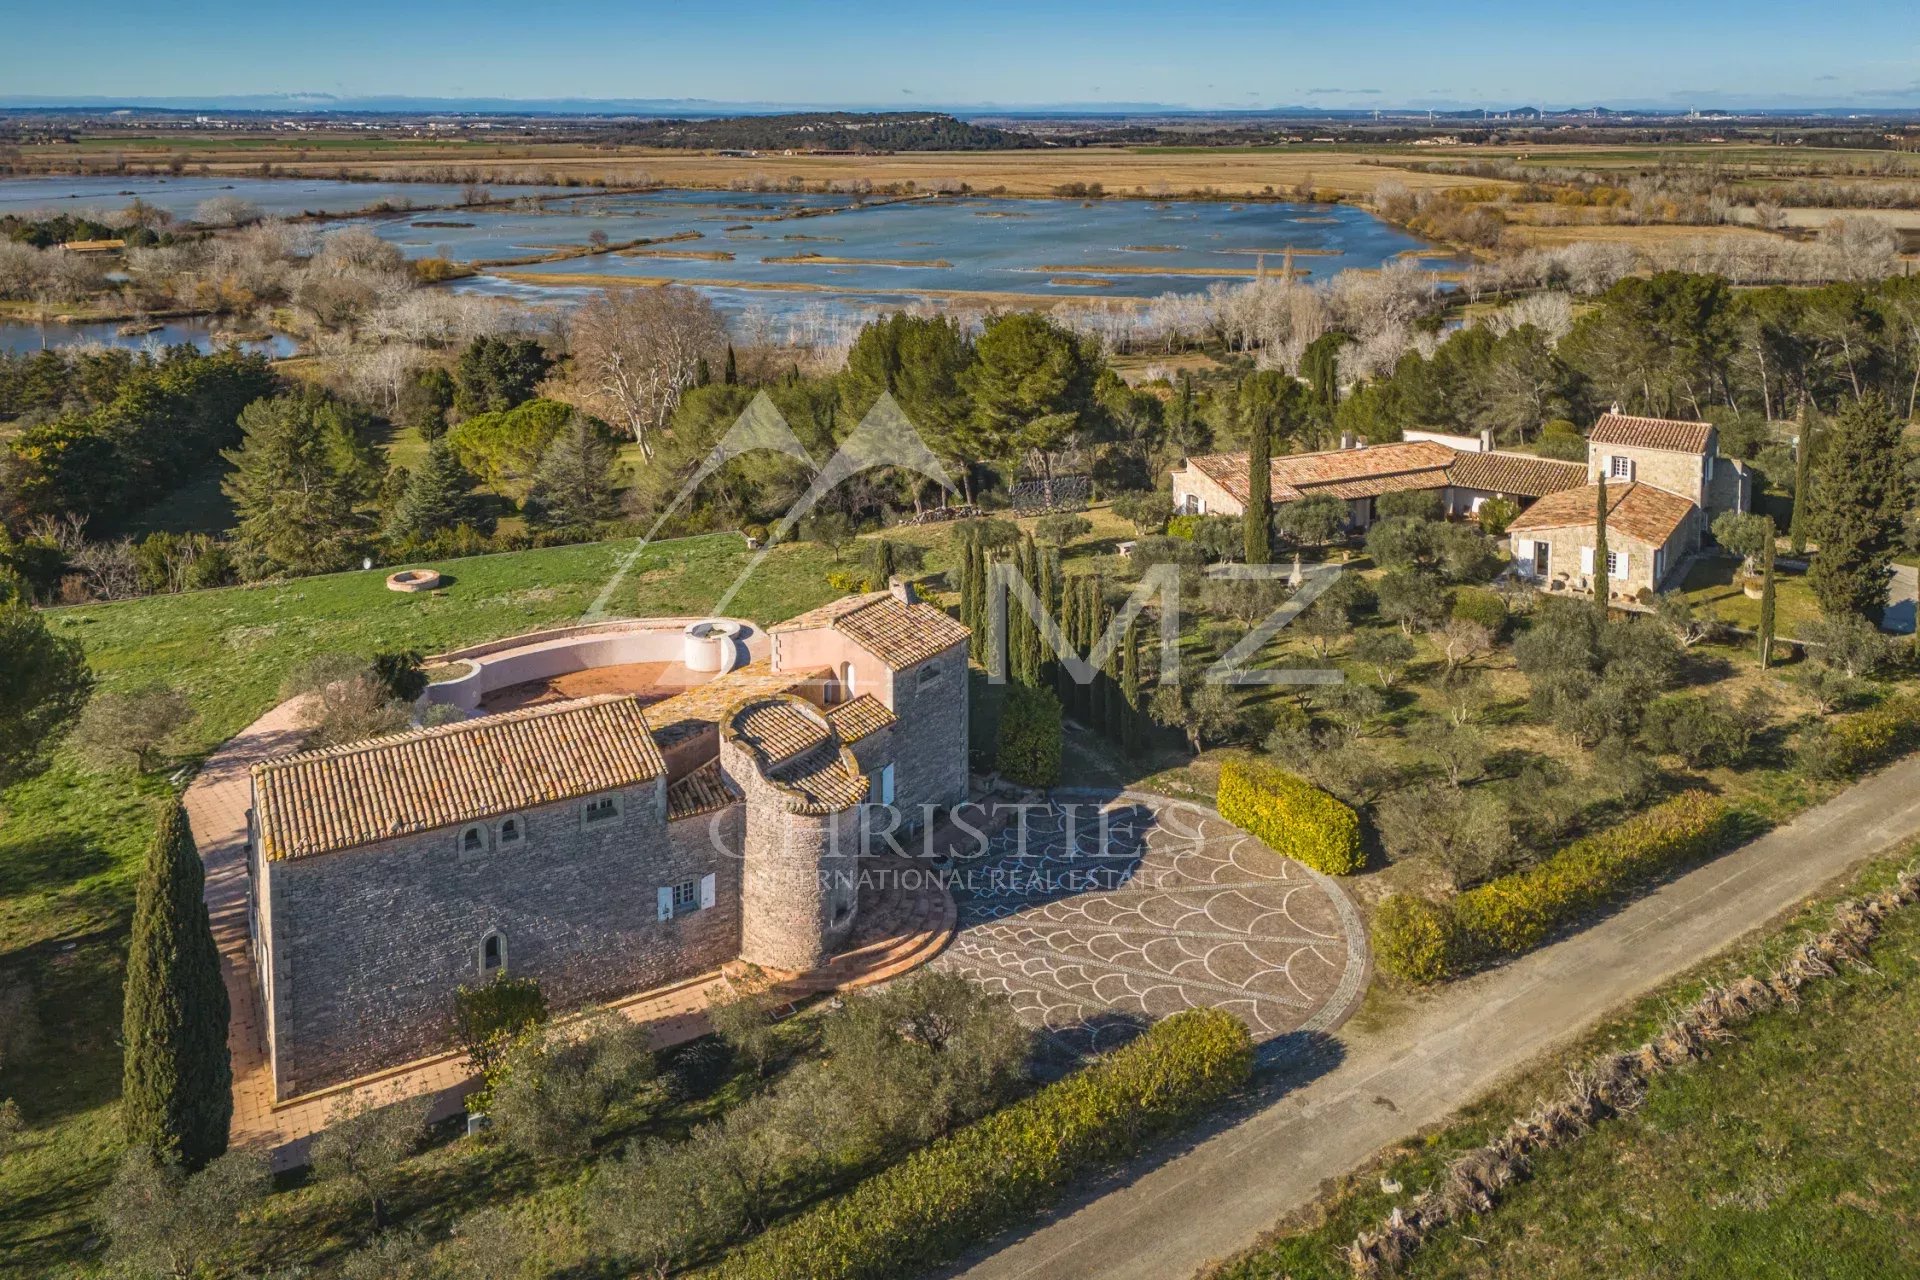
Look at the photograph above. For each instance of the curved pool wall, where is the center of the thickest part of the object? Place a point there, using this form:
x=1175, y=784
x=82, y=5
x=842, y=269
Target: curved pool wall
x=542, y=655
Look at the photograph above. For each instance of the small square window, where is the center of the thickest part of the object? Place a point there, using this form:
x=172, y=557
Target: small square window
x=1620, y=468
x=929, y=674
x=601, y=809
x=686, y=897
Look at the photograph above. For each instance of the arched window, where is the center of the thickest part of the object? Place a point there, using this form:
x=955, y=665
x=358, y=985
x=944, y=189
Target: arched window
x=473, y=840
x=511, y=831
x=493, y=953
x=848, y=683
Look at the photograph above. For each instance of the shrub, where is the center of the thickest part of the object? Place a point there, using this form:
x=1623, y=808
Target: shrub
x=121, y=731
x=1294, y=817
x=1851, y=745
x=1028, y=751
x=1184, y=527
x=1478, y=605
x=556, y=1088
x=1000, y=1170
x=1148, y=513
x=1416, y=938
x=1496, y=514
x=1517, y=913
x=488, y=1017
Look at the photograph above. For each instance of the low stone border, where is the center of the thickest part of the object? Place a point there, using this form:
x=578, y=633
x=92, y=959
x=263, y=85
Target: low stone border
x=1615, y=1084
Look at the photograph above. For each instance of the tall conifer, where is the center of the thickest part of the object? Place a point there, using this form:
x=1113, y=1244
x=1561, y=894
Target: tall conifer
x=177, y=1091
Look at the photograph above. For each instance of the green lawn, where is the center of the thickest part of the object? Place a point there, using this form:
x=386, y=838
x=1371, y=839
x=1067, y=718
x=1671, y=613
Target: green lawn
x=1789, y=1153
x=1710, y=585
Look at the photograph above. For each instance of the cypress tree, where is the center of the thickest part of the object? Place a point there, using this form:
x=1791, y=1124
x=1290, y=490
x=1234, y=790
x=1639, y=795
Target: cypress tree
x=1049, y=592
x=1603, y=584
x=1259, y=514
x=982, y=614
x=732, y=375
x=1131, y=731
x=1802, y=490
x=1766, y=604
x=177, y=1091
x=1090, y=699
x=1063, y=684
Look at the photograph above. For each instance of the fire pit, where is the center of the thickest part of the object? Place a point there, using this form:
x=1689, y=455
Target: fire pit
x=413, y=580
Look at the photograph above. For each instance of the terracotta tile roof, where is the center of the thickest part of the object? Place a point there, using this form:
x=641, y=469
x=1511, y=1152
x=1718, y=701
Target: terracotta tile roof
x=864, y=715
x=900, y=635
x=1359, y=473
x=705, y=790
x=1637, y=510
x=1517, y=474
x=779, y=729
x=704, y=706
x=821, y=777
x=1651, y=433
x=338, y=798
x=825, y=780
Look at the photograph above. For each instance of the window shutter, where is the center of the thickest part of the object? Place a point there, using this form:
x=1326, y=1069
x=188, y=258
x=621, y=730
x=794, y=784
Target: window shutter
x=666, y=902
x=706, y=892
x=1619, y=565
x=1586, y=560
x=886, y=784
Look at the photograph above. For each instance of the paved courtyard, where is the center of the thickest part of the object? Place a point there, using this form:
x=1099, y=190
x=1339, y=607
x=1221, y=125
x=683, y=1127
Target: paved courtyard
x=1101, y=913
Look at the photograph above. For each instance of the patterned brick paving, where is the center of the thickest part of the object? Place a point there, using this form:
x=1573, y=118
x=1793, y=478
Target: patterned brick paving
x=1098, y=917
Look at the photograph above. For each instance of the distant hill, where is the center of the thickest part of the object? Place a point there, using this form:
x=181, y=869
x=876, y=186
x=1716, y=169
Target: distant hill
x=826, y=131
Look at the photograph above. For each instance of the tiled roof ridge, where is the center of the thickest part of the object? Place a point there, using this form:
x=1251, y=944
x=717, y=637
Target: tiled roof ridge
x=418, y=733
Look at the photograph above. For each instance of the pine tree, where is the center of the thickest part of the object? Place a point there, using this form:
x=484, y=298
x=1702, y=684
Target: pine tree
x=574, y=485
x=1259, y=513
x=1860, y=499
x=297, y=478
x=438, y=496
x=1602, y=580
x=1802, y=487
x=177, y=1095
x=1766, y=602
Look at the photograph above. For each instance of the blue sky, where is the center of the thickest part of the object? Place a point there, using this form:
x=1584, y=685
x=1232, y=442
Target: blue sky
x=864, y=52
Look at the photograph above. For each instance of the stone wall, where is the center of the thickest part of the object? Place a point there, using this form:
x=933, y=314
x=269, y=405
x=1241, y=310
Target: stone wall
x=1565, y=545
x=1678, y=473
x=367, y=946
x=930, y=740
x=1191, y=481
x=799, y=872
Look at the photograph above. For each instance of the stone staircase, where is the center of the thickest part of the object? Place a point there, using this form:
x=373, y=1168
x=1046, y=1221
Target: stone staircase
x=906, y=918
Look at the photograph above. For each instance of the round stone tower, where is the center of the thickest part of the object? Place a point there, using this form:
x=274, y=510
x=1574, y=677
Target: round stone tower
x=800, y=872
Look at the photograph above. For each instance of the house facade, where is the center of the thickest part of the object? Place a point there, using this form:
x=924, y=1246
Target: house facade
x=602, y=846
x=1666, y=481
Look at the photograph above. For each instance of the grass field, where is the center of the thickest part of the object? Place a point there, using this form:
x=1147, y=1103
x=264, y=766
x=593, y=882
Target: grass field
x=1709, y=584
x=1788, y=1153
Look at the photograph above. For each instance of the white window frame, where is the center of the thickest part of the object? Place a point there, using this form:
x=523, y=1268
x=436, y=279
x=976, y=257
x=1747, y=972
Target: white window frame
x=1618, y=565
x=684, y=897
x=1619, y=467
x=588, y=820
x=480, y=956
x=1541, y=558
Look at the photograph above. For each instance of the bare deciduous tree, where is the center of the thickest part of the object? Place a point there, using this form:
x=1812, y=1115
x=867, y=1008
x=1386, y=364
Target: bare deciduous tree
x=636, y=350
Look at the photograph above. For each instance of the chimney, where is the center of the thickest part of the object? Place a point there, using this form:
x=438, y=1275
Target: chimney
x=903, y=591
x=1349, y=441
x=1486, y=440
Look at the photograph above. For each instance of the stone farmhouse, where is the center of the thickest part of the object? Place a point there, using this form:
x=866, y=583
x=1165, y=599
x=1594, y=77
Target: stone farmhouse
x=1665, y=479
x=1465, y=470
x=606, y=845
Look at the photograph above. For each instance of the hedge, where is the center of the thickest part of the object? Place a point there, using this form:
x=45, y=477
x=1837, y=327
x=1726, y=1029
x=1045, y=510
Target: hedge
x=1001, y=1170
x=1849, y=745
x=1293, y=816
x=1028, y=751
x=1432, y=941
x=1416, y=938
